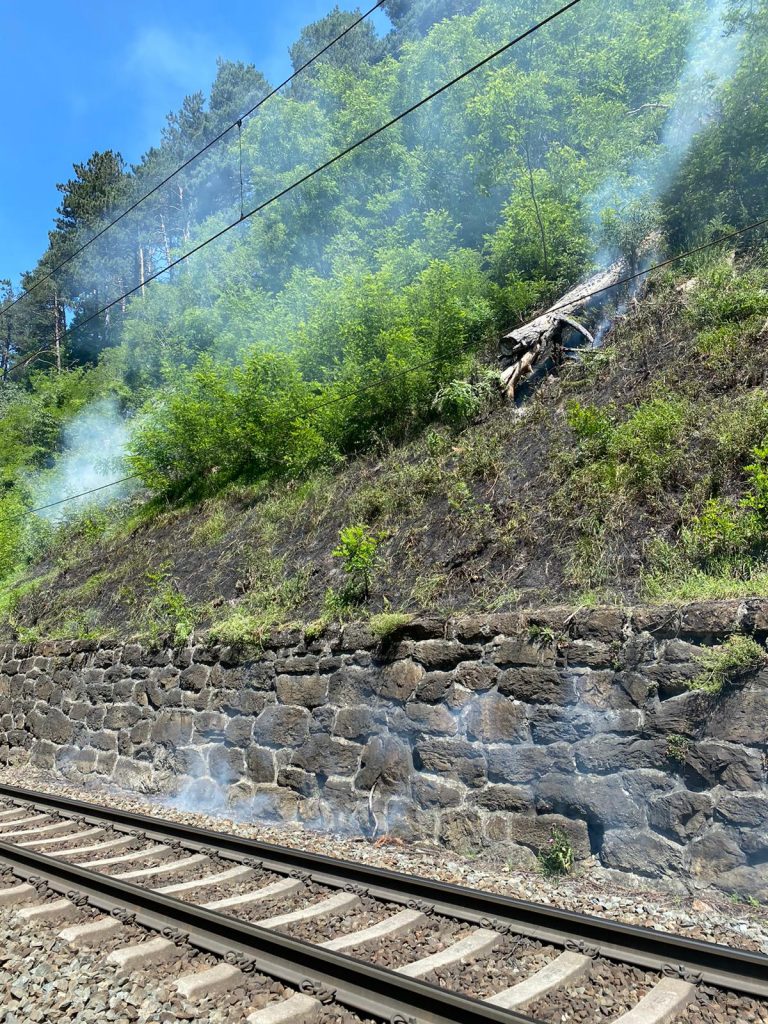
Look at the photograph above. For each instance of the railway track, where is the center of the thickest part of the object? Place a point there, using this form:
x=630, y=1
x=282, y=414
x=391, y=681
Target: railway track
x=344, y=937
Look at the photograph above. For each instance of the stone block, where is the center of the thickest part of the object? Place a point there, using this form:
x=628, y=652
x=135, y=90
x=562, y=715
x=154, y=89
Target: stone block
x=504, y=798
x=385, y=762
x=172, y=728
x=454, y=759
x=685, y=715
x=525, y=762
x=325, y=755
x=357, y=636
x=434, y=686
x=535, y=831
x=442, y=654
x=211, y=725
x=260, y=764
x=352, y=684
x=298, y=780
x=53, y=726
x=511, y=651
x=588, y=654
x=554, y=724
x=714, y=854
x=238, y=730
x=610, y=753
x=121, y=716
x=431, y=718
x=281, y=725
x=599, y=800
x=537, y=686
x=430, y=791
x=195, y=678
x=640, y=852
x=297, y=665
x=711, y=619
x=680, y=815
x=492, y=718
x=356, y=722
x=397, y=681
x=742, y=717
x=307, y=691
x=725, y=764
x=461, y=830
x=474, y=675
x=131, y=774
x=742, y=810
x=226, y=765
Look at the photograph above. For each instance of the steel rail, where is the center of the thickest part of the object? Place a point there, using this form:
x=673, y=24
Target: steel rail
x=734, y=969
x=363, y=987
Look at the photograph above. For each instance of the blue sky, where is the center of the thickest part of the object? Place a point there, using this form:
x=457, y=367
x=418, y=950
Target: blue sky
x=94, y=74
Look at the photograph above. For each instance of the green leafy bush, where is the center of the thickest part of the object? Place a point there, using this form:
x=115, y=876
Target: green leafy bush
x=738, y=656
x=358, y=549
x=556, y=857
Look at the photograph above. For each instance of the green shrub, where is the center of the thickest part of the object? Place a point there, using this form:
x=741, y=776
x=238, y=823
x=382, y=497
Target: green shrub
x=677, y=747
x=385, y=623
x=459, y=401
x=358, y=549
x=556, y=858
x=735, y=658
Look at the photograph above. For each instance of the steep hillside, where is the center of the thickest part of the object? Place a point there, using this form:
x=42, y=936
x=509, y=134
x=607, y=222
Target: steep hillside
x=638, y=471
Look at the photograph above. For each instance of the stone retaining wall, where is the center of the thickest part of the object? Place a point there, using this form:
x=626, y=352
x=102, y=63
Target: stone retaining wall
x=480, y=731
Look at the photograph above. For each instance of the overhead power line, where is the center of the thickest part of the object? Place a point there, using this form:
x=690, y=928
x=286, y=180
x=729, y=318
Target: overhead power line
x=424, y=364
x=324, y=166
x=191, y=159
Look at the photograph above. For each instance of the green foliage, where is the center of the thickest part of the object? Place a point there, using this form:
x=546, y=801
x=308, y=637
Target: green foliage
x=386, y=623
x=677, y=747
x=358, y=550
x=168, y=613
x=556, y=858
x=738, y=656
x=638, y=455
x=460, y=401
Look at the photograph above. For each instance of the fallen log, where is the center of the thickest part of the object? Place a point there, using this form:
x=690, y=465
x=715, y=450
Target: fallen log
x=522, y=348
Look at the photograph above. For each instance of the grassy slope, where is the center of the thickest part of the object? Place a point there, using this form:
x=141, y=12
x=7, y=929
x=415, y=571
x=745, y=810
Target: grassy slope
x=551, y=505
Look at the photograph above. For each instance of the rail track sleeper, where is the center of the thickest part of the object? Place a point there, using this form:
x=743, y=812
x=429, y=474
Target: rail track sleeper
x=162, y=869
x=52, y=840
x=563, y=970
x=155, y=853
x=50, y=910
x=282, y=887
x=230, y=875
x=472, y=946
x=90, y=932
x=109, y=844
x=333, y=905
x=144, y=954
x=16, y=894
x=399, y=924
x=662, y=1004
x=213, y=981
x=298, y=1009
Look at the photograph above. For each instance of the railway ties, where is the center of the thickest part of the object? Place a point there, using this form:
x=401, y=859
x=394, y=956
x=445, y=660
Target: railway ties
x=423, y=949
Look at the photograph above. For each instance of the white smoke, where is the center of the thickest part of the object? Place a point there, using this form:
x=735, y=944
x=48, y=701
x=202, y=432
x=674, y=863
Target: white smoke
x=711, y=60
x=93, y=450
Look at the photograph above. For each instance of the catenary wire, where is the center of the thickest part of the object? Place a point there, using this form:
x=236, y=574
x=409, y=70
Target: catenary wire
x=384, y=379
x=191, y=159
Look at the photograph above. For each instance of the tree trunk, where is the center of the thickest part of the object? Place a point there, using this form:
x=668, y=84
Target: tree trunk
x=57, y=330
x=522, y=348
